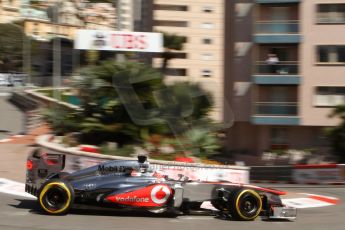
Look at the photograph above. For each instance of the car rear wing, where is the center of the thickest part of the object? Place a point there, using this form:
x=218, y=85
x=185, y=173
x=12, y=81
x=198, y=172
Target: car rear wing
x=41, y=164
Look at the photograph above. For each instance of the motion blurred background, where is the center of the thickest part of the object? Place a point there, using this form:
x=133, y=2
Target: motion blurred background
x=289, y=111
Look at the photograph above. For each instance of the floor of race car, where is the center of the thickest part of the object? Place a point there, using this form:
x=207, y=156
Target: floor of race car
x=324, y=211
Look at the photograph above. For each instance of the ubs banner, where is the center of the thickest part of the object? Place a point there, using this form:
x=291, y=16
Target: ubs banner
x=118, y=41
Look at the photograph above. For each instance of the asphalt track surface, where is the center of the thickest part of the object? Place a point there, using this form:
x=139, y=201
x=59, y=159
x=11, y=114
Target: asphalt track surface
x=23, y=213
x=11, y=118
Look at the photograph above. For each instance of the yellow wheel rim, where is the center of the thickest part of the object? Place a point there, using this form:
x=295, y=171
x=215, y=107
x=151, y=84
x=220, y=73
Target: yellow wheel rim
x=238, y=200
x=46, y=188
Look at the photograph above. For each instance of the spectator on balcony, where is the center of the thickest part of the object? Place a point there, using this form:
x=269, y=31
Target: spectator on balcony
x=272, y=61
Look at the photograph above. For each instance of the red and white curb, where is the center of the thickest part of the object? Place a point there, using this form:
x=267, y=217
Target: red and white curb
x=311, y=201
x=13, y=188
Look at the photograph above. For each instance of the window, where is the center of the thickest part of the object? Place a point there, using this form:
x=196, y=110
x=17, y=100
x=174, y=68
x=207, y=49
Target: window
x=171, y=23
x=279, y=138
x=331, y=13
x=207, y=41
x=174, y=55
x=176, y=72
x=207, y=25
x=329, y=96
x=171, y=7
x=35, y=29
x=206, y=73
x=206, y=57
x=207, y=9
x=331, y=54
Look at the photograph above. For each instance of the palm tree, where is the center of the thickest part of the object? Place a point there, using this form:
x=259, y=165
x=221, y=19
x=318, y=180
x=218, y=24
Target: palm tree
x=107, y=111
x=11, y=47
x=127, y=102
x=172, y=43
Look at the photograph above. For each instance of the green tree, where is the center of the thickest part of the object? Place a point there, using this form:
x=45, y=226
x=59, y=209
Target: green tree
x=11, y=47
x=172, y=43
x=337, y=134
x=62, y=119
x=201, y=142
x=106, y=116
x=185, y=105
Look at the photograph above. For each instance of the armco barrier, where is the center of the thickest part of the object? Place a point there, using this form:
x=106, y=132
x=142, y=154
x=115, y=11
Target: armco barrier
x=299, y=174
x=23, y=102
x=48, y=101
x=319, y=174
x=271, y=174
x=76, y=160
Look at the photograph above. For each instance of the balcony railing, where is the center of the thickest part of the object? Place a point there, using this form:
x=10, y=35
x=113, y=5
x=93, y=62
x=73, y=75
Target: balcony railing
x=275, y=109
x=277, y=27
x=281, y=68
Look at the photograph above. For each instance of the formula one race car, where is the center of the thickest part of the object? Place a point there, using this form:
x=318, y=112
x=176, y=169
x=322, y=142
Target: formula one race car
x=131, y=184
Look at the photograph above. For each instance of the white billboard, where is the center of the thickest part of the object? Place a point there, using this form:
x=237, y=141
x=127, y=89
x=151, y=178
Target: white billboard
x=118, y=41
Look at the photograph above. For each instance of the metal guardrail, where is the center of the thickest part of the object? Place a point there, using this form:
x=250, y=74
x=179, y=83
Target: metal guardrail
x=276, y=108
x=281, y=68
x=277, y=27
x=23, y=102
x=271, y=173
x=76, y=159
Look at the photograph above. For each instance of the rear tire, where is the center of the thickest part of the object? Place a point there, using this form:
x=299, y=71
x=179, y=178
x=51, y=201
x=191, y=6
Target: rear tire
x=56, y=197
x=245, y=204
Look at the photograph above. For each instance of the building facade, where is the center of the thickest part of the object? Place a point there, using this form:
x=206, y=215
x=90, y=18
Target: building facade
x=292, y=73
x=201, y=60
x=44, y=19
x=10, y=10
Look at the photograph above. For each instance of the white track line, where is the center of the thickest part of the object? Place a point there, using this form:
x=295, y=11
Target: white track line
x=5, y=140
x=14, y=188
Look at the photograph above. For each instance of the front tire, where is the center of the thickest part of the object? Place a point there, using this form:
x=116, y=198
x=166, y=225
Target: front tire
x=56, y=197
x=245, y=204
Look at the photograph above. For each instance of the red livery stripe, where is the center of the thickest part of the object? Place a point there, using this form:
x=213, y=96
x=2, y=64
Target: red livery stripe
x=325, y=199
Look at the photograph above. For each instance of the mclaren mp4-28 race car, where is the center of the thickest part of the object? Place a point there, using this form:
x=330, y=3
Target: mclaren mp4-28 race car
x=133, y=185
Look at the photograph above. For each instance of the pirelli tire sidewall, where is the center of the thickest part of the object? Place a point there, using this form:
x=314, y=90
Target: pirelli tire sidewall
x=56, y=197
x=239, y=199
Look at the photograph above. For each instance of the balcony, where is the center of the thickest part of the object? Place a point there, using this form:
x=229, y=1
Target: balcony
x=283, y=73
x=277, y=32
x=275, y=105
x=275, y=108
x=275, y=113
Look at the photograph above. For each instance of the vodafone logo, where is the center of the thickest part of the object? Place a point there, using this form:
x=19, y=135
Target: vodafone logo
x=150, y=196
x=160, y=194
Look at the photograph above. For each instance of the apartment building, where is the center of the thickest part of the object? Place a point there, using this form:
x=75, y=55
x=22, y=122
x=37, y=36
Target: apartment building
x=9, y=10
x=45, y=19
x=294, y=70
x=201, y=60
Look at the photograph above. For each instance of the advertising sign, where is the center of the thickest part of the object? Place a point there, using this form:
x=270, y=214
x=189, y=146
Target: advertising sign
x=318, y=174
x=75, y=163
x=118, y=41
